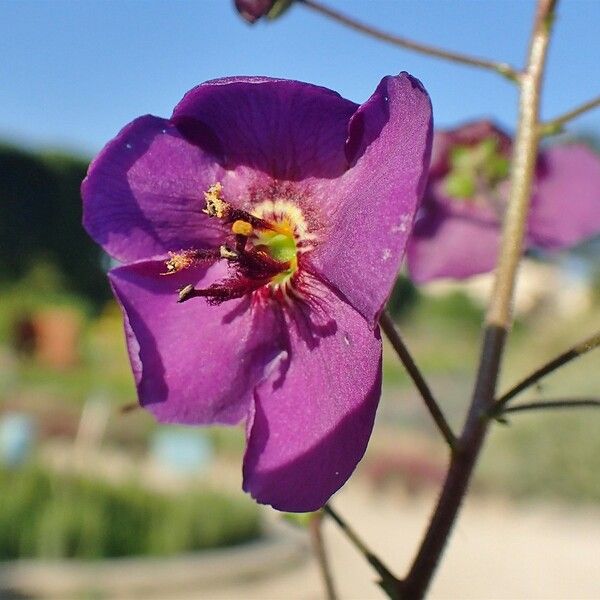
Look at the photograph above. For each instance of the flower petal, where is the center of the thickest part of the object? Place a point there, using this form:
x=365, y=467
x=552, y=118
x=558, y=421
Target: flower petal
x=566, y=205
x=446, y=244
x=143, y=194
x=388, y=145
x=193, y=363
x=311, y=423
x=286, y=129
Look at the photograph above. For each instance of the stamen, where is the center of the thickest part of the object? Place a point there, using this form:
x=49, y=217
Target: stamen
x=185, y=293
x=244, y=228
x=186, y=258
x=178, y=261
x=226, y=253
x=215, y=205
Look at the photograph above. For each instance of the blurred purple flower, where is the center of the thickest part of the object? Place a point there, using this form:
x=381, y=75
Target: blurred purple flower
x=276, y=214
x=457, y=232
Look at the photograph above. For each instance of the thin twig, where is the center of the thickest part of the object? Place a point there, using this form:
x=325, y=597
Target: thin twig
x=386, y=575
x=498, y=316
x=316, y=534
x=501, y=68
x=556, y=125
x=575, y=352
x=387, y=324
x=544, y=404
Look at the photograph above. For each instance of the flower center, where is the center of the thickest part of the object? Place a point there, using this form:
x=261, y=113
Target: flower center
x=263, y=255
x=286, y=238
x=475, y=170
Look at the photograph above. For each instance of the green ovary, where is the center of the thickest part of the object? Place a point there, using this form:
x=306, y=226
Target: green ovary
x=281, y=247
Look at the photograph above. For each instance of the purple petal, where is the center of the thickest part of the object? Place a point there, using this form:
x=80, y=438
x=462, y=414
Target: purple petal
x=389, y=145
x=566, y=203
x=193, y=363
x=311, y=423
x=449, y=244
x=143, y=194
x=286, y=129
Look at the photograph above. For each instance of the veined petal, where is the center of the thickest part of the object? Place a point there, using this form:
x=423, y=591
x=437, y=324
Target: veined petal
x=313, y=416
x=143, y=194
x=193, y=363
x=376, y=200
x=286, y=129
x=565, y=207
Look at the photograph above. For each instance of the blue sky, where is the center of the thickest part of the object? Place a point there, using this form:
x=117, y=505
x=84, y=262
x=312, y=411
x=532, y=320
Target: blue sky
x=73, y=72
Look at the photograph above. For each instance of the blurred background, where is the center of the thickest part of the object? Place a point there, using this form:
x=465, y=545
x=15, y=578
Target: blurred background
x=85, y=477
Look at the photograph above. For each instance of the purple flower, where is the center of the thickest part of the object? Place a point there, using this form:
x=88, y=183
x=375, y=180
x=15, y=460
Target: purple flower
x=457, y=232
x=262, y=227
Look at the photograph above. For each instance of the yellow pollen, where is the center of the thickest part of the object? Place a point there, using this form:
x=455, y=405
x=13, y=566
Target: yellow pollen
x=177, y=262
x=215, y=205
x=225, y=252
x=240, y=227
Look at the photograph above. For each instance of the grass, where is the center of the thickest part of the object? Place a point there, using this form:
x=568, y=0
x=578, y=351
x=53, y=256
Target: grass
x=52, y=516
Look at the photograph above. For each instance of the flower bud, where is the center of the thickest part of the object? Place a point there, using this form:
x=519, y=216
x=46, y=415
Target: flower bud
x=252, y=10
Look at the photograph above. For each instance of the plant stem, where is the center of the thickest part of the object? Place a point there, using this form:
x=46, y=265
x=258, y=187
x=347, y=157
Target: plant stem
x=501, y=68
x=543, y=404
x=556, y=125
x=498, y=316
x=574, y=352
x=387, y=324
x=386, y=575
x=318, y=543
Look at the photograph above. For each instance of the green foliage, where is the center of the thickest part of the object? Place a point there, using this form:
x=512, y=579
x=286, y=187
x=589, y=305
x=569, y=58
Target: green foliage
x=455, y=311
x=403, y=299
x=40, y=220
x=546, y=455
x=51, y=516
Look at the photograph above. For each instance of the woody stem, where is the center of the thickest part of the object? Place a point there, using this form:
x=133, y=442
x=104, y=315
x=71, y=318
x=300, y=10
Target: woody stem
x=498, y=316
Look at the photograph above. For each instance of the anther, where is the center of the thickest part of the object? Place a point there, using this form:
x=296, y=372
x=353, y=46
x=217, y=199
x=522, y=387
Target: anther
x=185, y=293
x=215, y=205
x=178, y=261
x=225, y=252
x=241, y=227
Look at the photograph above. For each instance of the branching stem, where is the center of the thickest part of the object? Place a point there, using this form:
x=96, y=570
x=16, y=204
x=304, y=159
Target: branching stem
x=387, y=324
x=387, y=578
x=553, y=404
x=498, y=316
x=557, y=124
x=575, y=352
x=320, y=551
x=501, y=68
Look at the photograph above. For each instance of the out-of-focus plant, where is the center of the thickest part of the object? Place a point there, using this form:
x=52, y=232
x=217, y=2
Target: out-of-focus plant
x=49, y=515
x=40, y=217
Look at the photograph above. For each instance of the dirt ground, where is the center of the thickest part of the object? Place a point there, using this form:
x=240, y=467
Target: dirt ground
x=499, y=550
